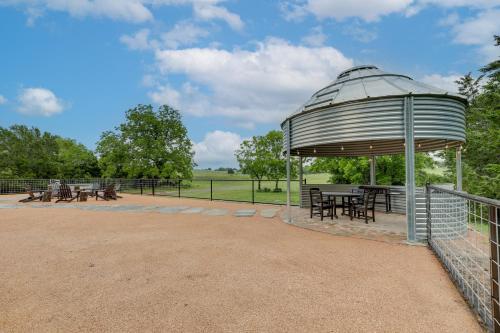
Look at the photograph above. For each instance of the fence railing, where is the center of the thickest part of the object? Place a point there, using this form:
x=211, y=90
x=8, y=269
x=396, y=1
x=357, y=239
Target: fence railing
x=463, y=230
x=241, y=190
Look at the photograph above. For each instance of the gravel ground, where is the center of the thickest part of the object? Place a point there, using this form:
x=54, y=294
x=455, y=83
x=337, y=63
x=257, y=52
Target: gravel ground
x=72, y=270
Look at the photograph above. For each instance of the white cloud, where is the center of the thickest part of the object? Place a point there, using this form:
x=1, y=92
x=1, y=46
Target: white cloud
x=138, y=41
x=39, y=101
x=125, y=10
x=449, y=20
x=166, y=95
x=356, y=31
x=371, y=10
x=315, y=38
x=366, y=10
x=3, y=100
x=258, y=86
x=445, y=82
x=135, y=11
x=479, y=31
x=217, y=149
x=183, y=33
x=209, y=10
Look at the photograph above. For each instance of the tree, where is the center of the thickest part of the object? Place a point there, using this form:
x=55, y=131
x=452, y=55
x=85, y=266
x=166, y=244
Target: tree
x=75, y=160
x=30, y=153
x=251, y=159
x=481, y=153
x=468, y=86
x=27, y=153
x=390, y=169
x=262, y=156
x=148, y=145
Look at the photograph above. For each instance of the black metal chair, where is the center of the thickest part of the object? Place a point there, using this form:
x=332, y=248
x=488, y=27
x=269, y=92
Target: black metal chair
x=319, y=204
x=360, y=208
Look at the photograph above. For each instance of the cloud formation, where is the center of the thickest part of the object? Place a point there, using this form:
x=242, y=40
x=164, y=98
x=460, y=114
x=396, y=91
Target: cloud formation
x=217, y=149
x=3, y=100
x=370, y=11
x=445, y=82
x=39, y=102
x=135, y=11
x=262, y=85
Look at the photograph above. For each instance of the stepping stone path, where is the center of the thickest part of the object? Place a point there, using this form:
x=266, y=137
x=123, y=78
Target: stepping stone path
x=172, y=210
x=216, y=212
x=269, y=213
x=7, y=206
x=245, y=213
x=194, y=210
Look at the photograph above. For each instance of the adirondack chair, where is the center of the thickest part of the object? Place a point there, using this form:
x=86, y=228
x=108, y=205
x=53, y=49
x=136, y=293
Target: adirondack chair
x=32, y=196
x=108, y=193
x=65, y=194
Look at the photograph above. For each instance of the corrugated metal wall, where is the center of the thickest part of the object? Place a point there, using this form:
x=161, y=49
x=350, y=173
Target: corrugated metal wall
x=376, y=127
x=437, y=117
x=370, y=120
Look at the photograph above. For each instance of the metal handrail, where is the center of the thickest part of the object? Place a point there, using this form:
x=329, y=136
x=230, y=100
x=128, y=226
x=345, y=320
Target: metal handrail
x=486, y=201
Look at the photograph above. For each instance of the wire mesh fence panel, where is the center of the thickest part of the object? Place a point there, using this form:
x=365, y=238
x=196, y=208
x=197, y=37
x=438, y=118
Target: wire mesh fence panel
x=459, y=232
x=232, y=190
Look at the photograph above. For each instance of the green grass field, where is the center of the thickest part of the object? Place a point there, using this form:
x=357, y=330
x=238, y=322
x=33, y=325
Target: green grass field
x=237, y=187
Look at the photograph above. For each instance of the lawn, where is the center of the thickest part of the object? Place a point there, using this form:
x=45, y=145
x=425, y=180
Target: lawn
x=238, y=187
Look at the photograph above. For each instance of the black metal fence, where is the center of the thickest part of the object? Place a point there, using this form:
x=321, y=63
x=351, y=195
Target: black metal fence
x=464, y=232
x=241, y=190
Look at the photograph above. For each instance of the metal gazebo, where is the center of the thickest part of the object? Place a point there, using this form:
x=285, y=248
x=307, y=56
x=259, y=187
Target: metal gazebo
x=368, y=112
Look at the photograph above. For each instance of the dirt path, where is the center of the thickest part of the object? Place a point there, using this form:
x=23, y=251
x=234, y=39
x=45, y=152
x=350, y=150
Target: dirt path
x=72, y=270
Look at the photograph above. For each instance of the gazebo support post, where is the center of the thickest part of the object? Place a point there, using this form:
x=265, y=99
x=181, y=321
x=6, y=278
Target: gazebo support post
x=301, y=175
x=373, y=175
x=288, y=194
x=410, y=167
x=459, y=168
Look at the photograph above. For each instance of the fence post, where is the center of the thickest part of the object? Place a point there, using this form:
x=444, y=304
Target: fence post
x=305, y=181
x=253, y=191
x=141, y=184
x=153, y=186
x=494, y=268
x=211, y=190
x=179, y=187
x=428, y=211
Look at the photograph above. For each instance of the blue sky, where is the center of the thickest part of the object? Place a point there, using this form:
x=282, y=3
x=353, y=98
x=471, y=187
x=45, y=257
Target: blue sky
x=233, y=68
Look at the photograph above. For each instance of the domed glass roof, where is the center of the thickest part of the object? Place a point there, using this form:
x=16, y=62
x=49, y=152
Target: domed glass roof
x=364, y=82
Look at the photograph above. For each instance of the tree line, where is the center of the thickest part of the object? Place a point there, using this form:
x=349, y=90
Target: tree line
x=149, y=144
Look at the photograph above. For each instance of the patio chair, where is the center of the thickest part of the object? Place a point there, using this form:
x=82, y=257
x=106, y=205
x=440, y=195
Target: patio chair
x=65, y=194
x=108, y=193
x=360, y=208
x=319, y=204
x=31, y=195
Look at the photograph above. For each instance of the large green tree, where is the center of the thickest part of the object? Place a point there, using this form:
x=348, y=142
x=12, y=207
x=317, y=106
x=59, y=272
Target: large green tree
x=390, y=169
x=75, y=160
x=27, y=153
x=251, y=159
x=481, y=153
x=30, y=153
x=149, y=144
x=262, y=157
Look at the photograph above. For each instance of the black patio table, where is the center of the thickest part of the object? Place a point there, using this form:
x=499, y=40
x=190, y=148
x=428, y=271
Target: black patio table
x=332, y=195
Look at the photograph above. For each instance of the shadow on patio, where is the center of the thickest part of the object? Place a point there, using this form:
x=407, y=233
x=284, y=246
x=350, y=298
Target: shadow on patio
x=389, y=227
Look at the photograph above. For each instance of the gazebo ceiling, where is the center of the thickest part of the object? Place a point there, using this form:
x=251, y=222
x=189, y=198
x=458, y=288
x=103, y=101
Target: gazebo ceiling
x=364, y=112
